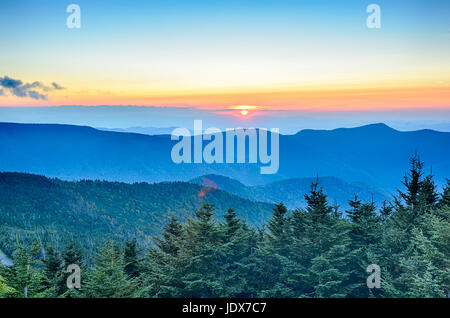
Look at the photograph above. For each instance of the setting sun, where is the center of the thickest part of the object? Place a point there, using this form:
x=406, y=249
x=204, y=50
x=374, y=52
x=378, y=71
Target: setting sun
x=244, y=109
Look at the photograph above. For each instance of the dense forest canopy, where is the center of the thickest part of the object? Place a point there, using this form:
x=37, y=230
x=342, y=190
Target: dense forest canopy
x=57, y=212
x=316, y=251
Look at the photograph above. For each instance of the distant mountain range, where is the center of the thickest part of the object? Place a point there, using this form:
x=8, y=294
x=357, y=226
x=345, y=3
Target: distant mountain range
x=143, y=130
x=291, y=191
x=35, y=207
x=375, y=155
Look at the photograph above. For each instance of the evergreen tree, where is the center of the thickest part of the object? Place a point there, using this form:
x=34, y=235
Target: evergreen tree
x=271, y=258
x=364, y=236
x=131, y=258
x=365, y=223
x=198, y=255
x=321, y=220
x=326, y=276
x=279, y=226
x=160, y=275
x=428, y=197
x=72, y=255
x=386, y=211
x=317, y=203
x=238, y=245
x=445, y=196
x=108, y=278
x=302, y=253
x=232, y=225
x=439, y=230
x=419, y=196
x=412, y=181
x=5, y=290
x=169, y=243
x=53, y=271
x=23, y=276
x=420, y=277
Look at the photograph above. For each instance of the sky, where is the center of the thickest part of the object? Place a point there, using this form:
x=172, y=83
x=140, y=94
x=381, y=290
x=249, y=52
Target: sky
x=296, y=56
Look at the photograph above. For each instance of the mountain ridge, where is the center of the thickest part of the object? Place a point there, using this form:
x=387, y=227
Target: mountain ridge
x=351, y=154
x=291, y=191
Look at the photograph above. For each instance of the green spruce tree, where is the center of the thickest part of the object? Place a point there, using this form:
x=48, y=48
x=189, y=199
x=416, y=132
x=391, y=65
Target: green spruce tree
x=108, y=278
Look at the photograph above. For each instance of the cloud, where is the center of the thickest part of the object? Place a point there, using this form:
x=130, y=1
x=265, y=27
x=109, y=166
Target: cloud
x=36, y=95
x=56, y=86
x=8, y=82
x=35, y=90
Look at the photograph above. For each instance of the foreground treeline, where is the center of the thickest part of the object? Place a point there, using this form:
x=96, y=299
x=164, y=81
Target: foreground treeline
x=313, y=252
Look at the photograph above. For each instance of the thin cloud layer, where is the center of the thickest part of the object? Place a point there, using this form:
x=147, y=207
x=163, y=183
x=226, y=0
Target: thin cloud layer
x=35, y=90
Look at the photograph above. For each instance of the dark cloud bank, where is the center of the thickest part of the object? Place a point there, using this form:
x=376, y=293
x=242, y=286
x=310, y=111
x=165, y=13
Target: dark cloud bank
x=35, y=90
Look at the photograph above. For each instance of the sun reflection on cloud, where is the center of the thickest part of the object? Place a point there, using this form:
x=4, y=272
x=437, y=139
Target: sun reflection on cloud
x=245, y=107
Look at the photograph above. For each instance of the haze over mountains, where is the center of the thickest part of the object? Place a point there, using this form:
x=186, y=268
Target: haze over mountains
x=291, y=191
x=289, y=121
x=375, y=155
x=142, y=130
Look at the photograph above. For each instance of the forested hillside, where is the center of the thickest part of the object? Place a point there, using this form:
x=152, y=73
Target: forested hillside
x=54, y=211
x=309, y=252
x=290, y=191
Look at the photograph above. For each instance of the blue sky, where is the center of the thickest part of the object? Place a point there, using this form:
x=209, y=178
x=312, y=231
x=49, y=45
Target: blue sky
x=298, y=56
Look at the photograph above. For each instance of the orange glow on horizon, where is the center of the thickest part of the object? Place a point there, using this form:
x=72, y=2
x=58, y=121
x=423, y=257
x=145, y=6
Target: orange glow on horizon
x=345, y=99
